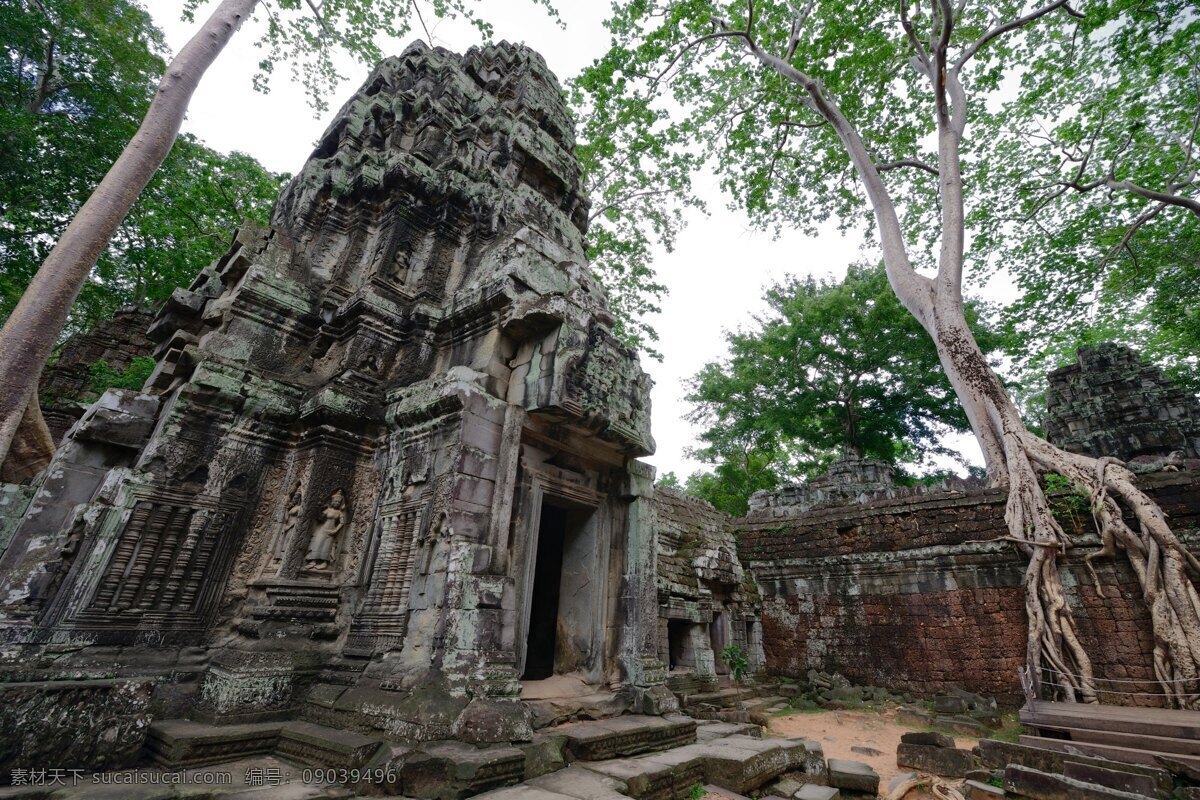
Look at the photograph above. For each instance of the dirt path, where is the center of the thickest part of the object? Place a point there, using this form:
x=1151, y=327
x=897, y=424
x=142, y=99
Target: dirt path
x=841, y=731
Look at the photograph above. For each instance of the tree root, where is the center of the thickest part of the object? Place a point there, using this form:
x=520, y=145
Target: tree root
x=1162, y=565
x=32, y=447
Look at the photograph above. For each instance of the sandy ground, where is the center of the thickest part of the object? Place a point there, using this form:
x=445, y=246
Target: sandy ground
x=841, y=731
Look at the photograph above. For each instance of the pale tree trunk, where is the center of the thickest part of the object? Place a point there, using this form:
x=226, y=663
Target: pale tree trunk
x=1015, y=457
x=29, y=335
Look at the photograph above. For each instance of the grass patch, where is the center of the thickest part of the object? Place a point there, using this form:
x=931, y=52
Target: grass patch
x=1010, y=729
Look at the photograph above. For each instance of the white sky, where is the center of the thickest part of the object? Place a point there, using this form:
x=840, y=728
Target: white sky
x=716, y=276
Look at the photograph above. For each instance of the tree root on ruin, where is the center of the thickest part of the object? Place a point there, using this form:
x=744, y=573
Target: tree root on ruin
x=1159, y=561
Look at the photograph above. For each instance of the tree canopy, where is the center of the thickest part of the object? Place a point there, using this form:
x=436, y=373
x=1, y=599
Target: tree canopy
x=1090, y=196
x=836, y=369
x=76, y=81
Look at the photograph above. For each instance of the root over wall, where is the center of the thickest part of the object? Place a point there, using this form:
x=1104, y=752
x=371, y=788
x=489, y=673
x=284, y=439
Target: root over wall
x=908, y=594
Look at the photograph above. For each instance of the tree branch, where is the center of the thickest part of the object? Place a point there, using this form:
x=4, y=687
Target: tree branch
x=912, y=288
x=910, y=31
x=320, y=20
x=1012, y=25
x=798, y=20
x=624, y=199
x=1169, y=197
x=725, y=34
x=906, y=162
x=1141, y=220
x=421, y=19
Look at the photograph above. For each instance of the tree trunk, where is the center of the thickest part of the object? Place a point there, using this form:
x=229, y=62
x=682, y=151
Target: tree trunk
x=29, y=335
x=1014, y=456
x=32, y=447
x=1159, y=561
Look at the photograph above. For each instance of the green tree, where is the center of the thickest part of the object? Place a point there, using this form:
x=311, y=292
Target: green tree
x=737, y=474
x=836, y=369
x=304, y=34
x=861, y=112
x=76, y=79
x=1096, y=176
x=638, y=176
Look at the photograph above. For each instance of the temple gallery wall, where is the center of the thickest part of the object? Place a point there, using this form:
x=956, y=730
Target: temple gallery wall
x=384, y=482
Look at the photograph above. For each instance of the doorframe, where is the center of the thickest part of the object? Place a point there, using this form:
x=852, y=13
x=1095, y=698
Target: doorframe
x=570, y=497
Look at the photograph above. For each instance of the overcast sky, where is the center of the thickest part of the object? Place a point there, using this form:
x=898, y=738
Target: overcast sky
x=716, y=276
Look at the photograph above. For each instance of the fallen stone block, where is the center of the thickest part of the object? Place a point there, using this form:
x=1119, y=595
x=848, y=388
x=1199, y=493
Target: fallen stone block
x=452, y=770
x=977, y=790
x=543, y=755
x=811, y=791
x=786, y=787
x=719, y=730
x=998, y=755
x=947, y=762
x=853, y=776
x=581, y=784
x=1111, y=778
x=1045, y=786
x=927, y=738
x=742, y=763
x=723, y=793
x=963, y=725
x=597, y=740
x=949, y=704
x=911, y=715
x=656, y=776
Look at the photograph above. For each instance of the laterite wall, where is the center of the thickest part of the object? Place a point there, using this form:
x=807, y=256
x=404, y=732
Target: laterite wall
x=908, y=595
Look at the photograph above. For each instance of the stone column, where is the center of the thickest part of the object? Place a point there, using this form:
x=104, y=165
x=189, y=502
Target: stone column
x=642, y=669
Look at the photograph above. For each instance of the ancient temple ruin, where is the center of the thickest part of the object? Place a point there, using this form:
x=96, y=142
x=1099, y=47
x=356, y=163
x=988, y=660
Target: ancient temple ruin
x=380, y=505
x=1111, y=403
x=707, y=601
x=383, y=475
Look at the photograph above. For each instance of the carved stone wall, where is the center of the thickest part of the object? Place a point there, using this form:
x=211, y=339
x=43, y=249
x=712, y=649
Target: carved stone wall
x=910, y=595
x=368, y=424
x=1111, y=403
x=65, y=385
x=706, y=600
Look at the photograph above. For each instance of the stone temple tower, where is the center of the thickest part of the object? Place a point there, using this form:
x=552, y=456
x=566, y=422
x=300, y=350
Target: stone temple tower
x=383, y=476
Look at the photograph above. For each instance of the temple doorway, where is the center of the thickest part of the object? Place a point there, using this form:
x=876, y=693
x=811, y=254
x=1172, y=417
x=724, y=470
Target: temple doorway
x=559, y=614
x=547, y=585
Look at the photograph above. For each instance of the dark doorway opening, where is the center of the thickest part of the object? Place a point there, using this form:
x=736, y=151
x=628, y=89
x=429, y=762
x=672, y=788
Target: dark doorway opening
x=547, y=582
x=677, y=632
x=716, y=637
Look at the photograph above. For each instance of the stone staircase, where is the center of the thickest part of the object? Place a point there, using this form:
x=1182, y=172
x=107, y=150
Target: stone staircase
x=1118, y=733
x=738, y=763
x=643, y=757
x=1030, y=769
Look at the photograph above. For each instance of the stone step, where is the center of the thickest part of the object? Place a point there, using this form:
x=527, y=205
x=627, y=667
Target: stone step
x=318, y=746
x=457, y=769
x=998, y=755
x=601, y=739
x=654, y=777
x=762, y=703
x=182, y=744
x=1037, y=785
x=1129, y=755
x=725, y=698
x=707, y=730
x=737, y=763
x=1138, y=741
